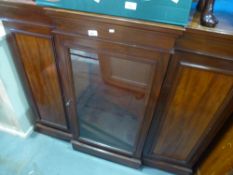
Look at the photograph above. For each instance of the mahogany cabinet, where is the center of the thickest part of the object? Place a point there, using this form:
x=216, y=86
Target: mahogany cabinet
x=128, y=91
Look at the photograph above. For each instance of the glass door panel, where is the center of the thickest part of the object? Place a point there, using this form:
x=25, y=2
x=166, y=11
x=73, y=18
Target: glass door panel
x=111, y=96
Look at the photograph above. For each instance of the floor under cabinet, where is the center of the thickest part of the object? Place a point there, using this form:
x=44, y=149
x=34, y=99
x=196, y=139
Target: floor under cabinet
x=43, y=155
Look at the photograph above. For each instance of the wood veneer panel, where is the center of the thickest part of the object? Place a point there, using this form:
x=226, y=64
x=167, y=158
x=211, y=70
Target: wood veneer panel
x=195, y=101
x=198, y=96
x=40, y=68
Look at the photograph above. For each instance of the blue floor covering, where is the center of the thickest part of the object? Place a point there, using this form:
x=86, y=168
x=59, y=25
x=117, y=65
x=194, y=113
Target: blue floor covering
x=42, y=155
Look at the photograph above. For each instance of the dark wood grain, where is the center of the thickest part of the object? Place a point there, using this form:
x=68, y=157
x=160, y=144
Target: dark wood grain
x=24, y=13
x=108, y=155
x=138, y=24
x=81, y=23
x=39, y=64
x=195, y=95
x=190, y=104
x=206, y=43
x=197, y=98
x=53, y=132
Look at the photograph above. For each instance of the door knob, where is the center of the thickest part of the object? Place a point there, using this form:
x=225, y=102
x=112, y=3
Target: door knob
x=68, y=103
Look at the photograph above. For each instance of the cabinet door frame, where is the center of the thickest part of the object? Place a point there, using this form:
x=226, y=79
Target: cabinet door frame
x=12, y=29
x=65, y=42
x=195, y=61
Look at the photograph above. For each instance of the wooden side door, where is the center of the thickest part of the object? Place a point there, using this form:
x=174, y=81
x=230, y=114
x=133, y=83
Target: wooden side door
x=196, y=98
x=31, y=42
x=38, y=65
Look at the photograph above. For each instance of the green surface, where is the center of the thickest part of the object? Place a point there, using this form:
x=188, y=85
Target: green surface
x=166, y=11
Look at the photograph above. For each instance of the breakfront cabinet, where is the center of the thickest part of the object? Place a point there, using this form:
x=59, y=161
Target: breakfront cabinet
x=128, y=91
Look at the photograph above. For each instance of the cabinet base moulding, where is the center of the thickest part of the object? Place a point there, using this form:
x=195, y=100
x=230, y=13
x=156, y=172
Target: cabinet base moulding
x=53, y=132
x=114, y=157
x=168, y=167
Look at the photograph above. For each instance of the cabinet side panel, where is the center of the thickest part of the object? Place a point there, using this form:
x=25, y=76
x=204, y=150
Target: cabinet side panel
x=194, y=104
x=40, y=68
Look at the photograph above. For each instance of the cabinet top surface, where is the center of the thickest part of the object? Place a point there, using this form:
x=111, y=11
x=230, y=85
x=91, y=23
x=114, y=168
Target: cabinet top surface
x=223, y=11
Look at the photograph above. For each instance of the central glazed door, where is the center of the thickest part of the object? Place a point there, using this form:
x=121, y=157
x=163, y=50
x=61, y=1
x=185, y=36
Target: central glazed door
x=110, y=92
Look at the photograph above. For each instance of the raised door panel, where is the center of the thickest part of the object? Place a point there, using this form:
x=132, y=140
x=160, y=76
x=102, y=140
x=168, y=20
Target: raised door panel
x=193, y=105
x=38, y=61
x=196, y=98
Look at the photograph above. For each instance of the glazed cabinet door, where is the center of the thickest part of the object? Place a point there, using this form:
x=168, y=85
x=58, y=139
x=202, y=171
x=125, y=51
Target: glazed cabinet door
x=196, y=98
x=37, y=58
x=111, y=90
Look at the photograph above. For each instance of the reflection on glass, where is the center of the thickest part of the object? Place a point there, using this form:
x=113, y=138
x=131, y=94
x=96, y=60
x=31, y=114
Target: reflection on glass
x=111, y=95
